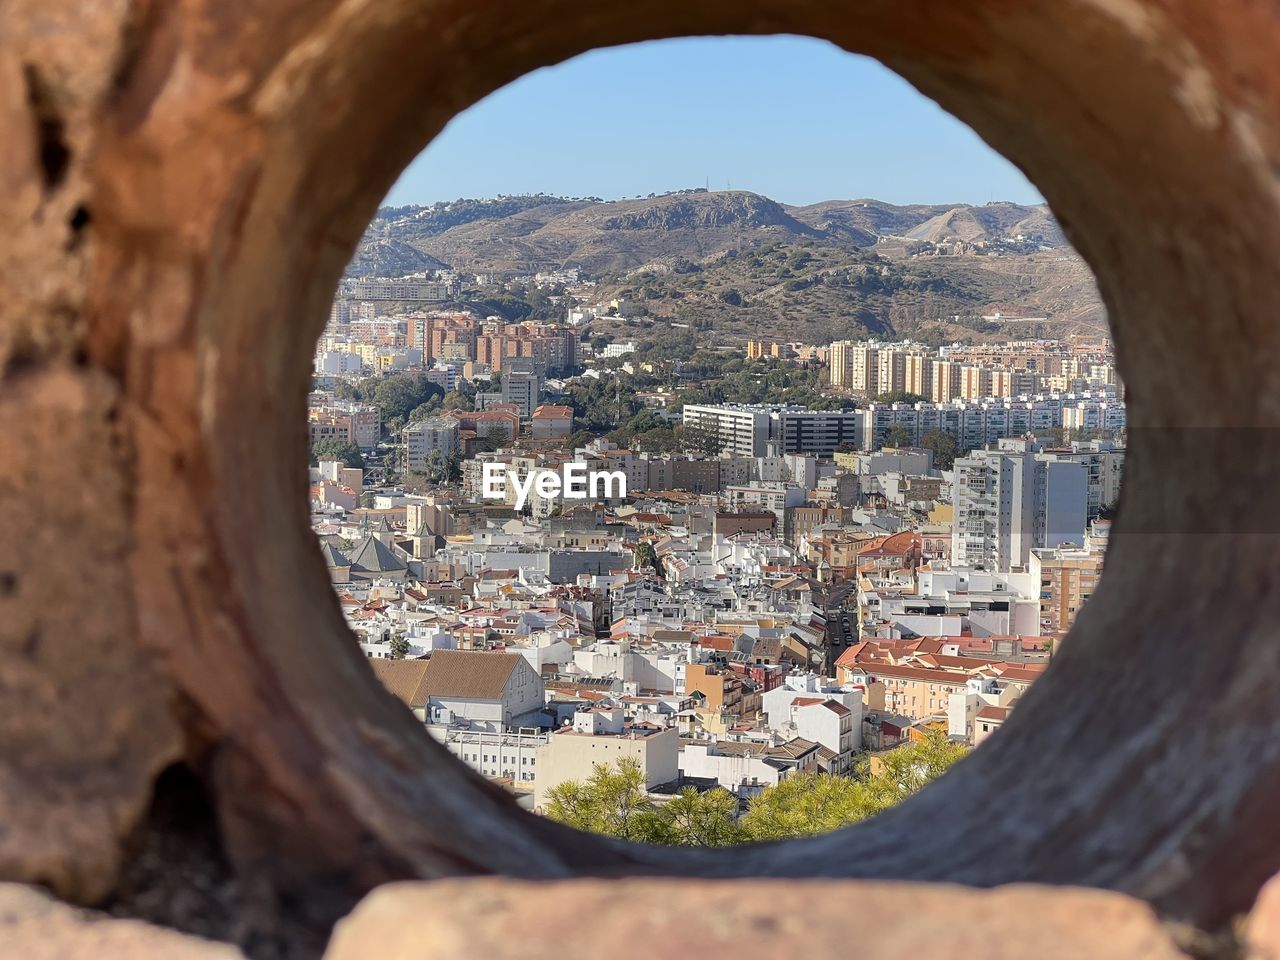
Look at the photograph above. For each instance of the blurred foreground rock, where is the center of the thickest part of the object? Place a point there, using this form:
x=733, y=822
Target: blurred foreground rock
x=34, y=926
x=732, y=919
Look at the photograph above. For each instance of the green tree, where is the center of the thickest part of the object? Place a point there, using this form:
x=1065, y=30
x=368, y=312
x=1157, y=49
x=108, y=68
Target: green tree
x=944, y=447
x=898, y=435
x=693, y=819
x=461, y=398
x=646, y=556
x=899, y=396
x=907, y=769
x=399, y=647
x=815, y=803
x=579, y=438
x=660, y=440
x=494, y=437
x=422, y=411
x=400, y=394
x=346, y=390
x=645, y=419
x=1052, y=436
x=700, y=440
x=612, y=801
x=343, y=450
x=806, y=804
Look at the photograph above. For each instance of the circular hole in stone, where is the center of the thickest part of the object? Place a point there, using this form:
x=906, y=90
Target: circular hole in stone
x=858, y=384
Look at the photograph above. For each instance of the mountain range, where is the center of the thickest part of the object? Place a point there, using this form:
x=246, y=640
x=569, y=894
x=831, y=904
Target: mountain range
x=739, y=263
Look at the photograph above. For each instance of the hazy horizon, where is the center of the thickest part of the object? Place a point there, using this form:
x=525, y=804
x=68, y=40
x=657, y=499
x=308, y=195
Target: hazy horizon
x=1038, y=202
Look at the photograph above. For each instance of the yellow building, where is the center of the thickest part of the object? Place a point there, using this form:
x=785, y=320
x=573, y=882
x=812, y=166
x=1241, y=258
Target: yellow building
x=1067, y=579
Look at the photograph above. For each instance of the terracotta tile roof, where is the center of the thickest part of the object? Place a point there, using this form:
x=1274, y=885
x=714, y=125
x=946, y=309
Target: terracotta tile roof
x=993, y=713
x=469, y=674
x=902, y=672
x=1024, y=673
x=403, y=679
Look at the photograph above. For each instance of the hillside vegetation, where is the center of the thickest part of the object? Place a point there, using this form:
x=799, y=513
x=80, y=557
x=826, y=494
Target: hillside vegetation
x=738, y=264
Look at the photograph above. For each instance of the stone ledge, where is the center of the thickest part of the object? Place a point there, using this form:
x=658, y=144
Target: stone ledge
x=35, y=926
x=728, y=919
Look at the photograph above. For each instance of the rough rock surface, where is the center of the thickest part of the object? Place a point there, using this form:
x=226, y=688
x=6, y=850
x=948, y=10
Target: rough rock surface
x=181, y=184
x=34, y=926
x=1262, y=929
x=731, y=919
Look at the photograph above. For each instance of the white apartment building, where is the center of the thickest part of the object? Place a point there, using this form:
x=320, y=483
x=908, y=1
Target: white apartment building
x=512, y=754
x=465, y=689
x=1105, y=415
x=1012, y=499
x=338, y=363
x=1104, y=464
x=816, y=432
x=979, y=693
x=918, y=374
x=521, y=388
x=746, y=768
x=759, y=430
x=978, y=422
x=743, y=430
x=409, y=288
x=446, y=375
x=434, y=435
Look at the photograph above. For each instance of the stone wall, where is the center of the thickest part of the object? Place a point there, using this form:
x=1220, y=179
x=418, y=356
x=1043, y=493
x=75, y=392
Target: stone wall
x=183, y=181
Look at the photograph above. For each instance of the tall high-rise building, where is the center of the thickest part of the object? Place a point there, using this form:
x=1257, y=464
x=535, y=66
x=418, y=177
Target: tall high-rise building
x=1012, y=499
x=975, y=381
x=841, y=364
x=864, y=375
x=522, y=384
x=891, y=370
x=918, y=374
x=946, y=381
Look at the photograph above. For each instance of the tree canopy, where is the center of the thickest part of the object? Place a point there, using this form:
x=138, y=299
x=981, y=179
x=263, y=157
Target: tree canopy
x=613, y=800
x=898, y=435
x=900, y=396
x=944, y=447
x=343, y=450
x=810, y=803
x=398, y=395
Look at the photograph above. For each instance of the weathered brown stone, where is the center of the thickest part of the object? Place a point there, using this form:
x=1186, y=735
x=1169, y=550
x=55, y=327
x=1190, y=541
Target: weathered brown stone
x=34, y=926
x=182, y=182
x=732, y=919
x=1262, y=928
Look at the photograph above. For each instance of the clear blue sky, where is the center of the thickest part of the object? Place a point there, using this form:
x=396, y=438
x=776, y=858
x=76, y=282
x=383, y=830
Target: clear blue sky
x=796, y=119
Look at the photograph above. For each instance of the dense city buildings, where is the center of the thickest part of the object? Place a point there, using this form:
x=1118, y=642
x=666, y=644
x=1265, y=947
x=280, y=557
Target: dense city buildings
x=978, y=422
x=783, y=589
